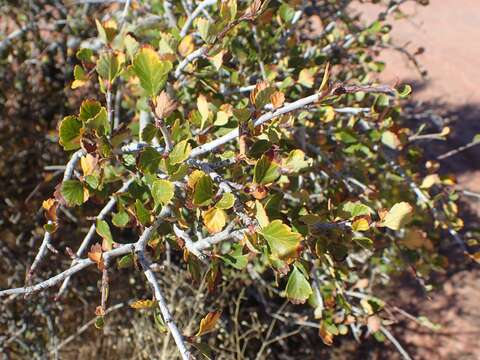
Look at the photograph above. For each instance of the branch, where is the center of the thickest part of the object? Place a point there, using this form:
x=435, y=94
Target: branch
x=80, y=265
x=91, y=232
x=42, y=251
x=226, y=234
x=194, y=15
x=459, y=149
x=140, y=247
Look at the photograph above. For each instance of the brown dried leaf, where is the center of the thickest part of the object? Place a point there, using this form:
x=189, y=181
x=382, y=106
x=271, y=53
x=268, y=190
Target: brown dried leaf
x=164, y=105
x=277, y=99
x=208, y=323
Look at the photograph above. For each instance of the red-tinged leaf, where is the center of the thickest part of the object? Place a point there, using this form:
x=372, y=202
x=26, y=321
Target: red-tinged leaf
x=208, y=323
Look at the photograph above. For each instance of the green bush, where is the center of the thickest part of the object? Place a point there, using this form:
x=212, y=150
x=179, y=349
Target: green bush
x=231, y=136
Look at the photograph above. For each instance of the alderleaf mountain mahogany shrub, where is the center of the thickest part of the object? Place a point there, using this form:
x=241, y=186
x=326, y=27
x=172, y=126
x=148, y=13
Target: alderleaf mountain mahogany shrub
x=231, y=137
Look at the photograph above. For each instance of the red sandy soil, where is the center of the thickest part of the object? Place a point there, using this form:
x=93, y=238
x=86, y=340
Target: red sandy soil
x=449, y=31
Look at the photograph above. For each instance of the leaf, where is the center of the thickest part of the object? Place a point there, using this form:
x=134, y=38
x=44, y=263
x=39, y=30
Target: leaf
x=180, y=152
x=106, y=31
x=143, y=304
x=416, y=239
x=203, y=192
x=325, y=78
x=100, y=122
x=69, y=133
x=73, y=192
x=398, y=216
x=164, y=105
x=327, y=114
x=186, y=46
x=202, y=105
x=296, y=161
x=162, y=192
x=89, y=109
x=149, y=160
x=142, y=213
x=81, y=78
x=298, y=289
x=391, y=140
x=306, y=77
x=405, y=91
x=217, y=59
x=151, y=71
x=120, y=219
x=265, y=171
x=226, y=202
x=277, y=99
x=203, y=27
x=283, y=242
x=207, y=324
x=236, y=258
x=261, y=214
x=214, y=220
x=88, y=164
x=125, y=261
x=355, y=209
x=109, y=65
x=228, y=10
x=360, y=224
x=430, y=180
x=103, y=230
x=95, y=254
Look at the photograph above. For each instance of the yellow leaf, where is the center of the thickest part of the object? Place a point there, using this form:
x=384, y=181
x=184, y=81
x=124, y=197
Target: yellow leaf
x=214, y=220
x=399, y=215
x=360, y=224
x=429, y=181
x=327, y=114
x=186, y=46
x=202, y=105
x=88, y=164
x=306, y=78
x=326, y=75
x=261, y=214
x=78, y=83
x=208, y=323
x=143, y=304
x=217, y=60
x=327, y=337
x=194, y=177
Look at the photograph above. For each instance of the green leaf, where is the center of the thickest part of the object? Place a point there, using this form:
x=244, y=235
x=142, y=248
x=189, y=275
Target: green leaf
x=356, y=209
x=398, y=216
x=80, y=77
x=203, y=27
x=203, y=192
x=125, y=261
x=151, y=71
x=103, y=230
x=296, y=161
x=226, y=202
x=142, y=213
x=180, y=152
x=286, y=13
x=69, y=133
x=120, y=219
x=109, y=65
x=149, y=160
x=283, y=242
x=298, y=289
x=405, y=91
x=73, y=192
x=99, y=123
x=93, y=181
x=236, y=258
x=89, y=109
x=265, y=171
x=162, y=192
x=391, y=140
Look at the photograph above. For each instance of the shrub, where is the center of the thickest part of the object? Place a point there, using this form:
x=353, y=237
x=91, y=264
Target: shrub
x=231, y=136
